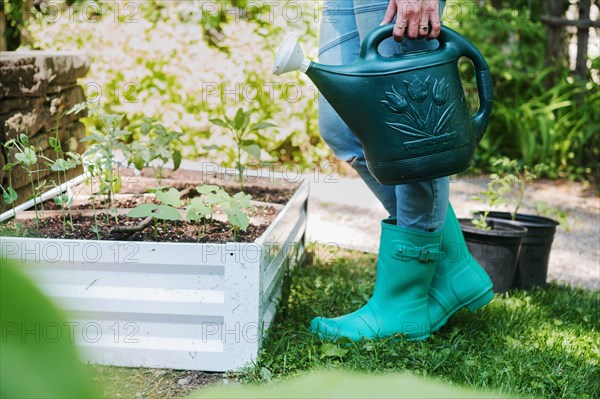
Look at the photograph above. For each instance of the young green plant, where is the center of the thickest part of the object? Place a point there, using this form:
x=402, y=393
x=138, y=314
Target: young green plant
x=27, y=158
x=61, y=165
x=235, y=207
x=506, y=187
x=9, y=194
x=90, y=169
x=513, y=177
x=169, y=200
x=107, y=141
x=154, y=146
x=241, y=132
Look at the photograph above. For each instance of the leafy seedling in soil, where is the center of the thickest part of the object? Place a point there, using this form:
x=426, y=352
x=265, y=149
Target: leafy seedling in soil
x=106, y=141
x=212, y=196
x=235, y=207
x=61, y=166
x=198, y=211
x=90, y=169
x=9, y=194
x=506, y=187
x=27, y=158
x=241, y=130
x=167, y=211
x=154, y=146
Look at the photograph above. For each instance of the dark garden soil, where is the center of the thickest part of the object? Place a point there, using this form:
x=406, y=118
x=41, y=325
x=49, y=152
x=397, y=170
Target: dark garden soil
x=135, y=192
x=217, y=232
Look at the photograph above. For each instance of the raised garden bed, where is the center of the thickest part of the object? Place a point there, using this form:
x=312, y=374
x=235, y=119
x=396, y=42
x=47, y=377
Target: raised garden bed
x=171, y=304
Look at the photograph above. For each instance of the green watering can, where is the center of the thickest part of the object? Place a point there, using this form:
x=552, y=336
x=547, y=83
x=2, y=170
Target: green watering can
x=408, y=111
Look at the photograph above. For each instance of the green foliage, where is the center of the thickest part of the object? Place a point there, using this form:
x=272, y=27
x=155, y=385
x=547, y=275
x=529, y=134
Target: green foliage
x=170, y=200
x=506, y=186
x=27, y=158
x=38, y=359
x=176, y=85
x=235, y=207
x=107, y=140
x=539, y=343
x=10, y=195
x=541, y=114
x=240, y=131
x=153, y=146
x=16, y=21
x=199, y=209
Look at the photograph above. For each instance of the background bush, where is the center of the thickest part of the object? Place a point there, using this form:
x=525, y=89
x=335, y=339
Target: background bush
x=541, y=113
x=186, y=62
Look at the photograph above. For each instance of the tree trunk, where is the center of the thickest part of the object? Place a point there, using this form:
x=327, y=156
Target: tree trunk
x=583, y=34
x=554, y=49
x=3, y=45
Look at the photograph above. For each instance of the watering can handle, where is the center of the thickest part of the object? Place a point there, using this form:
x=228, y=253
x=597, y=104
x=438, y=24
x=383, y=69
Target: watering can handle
x=447, y=38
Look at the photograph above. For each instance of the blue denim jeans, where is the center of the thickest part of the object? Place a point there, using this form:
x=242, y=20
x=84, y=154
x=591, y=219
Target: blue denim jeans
x=419, y=206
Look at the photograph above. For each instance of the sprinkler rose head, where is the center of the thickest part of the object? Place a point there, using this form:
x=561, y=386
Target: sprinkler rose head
x=290, y=57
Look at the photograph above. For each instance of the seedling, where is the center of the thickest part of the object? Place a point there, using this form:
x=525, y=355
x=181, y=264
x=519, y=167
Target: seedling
x=234, y=207
x=154, y=147
x=27, y=158
x=9, y=194
x=167, y=211
x=60, y=165
x=240, y=130
x=212, y=196
x=198, y=211
x=90, y=169
x=514, y=176
x=106, y=142
x=506, y=187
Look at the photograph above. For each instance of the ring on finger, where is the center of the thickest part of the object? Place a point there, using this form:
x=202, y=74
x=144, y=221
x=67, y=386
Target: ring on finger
x=424, y=28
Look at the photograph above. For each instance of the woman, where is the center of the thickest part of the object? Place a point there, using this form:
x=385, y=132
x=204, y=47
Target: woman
x=421, y=280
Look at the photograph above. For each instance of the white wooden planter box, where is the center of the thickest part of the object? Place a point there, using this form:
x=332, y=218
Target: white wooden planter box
x=168, y=305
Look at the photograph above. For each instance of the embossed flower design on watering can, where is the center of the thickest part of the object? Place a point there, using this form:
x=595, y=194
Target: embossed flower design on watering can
x=441, y=92
x=425, y=121
x=417, y=89
x=395, y=102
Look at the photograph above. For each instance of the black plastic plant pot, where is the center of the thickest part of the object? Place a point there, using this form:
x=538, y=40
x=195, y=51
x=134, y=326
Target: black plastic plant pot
x=532, y=265
x=496, y=250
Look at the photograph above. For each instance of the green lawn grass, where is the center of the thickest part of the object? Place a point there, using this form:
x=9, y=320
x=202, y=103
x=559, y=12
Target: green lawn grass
x=540, y=343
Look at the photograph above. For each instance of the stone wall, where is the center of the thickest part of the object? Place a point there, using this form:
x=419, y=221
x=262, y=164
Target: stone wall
x=36, y=88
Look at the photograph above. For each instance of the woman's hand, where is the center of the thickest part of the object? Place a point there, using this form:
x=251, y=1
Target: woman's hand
x=415, y=18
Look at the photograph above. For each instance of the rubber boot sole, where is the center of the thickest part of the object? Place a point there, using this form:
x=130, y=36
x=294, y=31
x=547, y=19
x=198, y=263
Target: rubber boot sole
x=471, y=306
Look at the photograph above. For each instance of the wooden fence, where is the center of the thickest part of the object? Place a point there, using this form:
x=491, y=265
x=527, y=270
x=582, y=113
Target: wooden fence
x=556, y=23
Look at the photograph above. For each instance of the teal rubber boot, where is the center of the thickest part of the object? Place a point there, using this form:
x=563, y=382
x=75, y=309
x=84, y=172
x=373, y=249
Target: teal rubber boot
x=459, y=281
x=399, y=305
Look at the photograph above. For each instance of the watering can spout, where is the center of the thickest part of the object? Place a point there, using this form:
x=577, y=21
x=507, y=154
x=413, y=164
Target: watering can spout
x=290, y=57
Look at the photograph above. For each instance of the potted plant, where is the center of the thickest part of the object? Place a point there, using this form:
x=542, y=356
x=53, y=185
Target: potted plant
x=169, y=302
x=494, y=243
x=510, y=182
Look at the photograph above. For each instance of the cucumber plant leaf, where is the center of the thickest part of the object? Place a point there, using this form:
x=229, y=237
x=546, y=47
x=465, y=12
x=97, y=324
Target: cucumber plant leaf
x=171, y=197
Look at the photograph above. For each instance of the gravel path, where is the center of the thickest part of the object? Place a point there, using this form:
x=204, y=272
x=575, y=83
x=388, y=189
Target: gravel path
x=344, y=214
